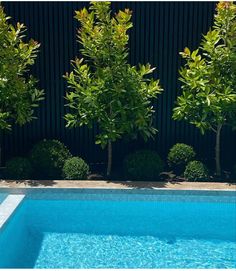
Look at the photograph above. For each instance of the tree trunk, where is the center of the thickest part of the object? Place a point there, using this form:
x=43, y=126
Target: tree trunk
x=109, y=156
x=217, y=150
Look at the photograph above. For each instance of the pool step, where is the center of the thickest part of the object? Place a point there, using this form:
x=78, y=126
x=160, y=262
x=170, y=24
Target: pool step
x=8, y=206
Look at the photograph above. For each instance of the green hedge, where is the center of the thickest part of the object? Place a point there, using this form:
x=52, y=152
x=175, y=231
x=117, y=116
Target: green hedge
x=196, y=171
x=75, y=168
x=179, y=155
x=143, y=165
x=18, y=168
x=48, y=158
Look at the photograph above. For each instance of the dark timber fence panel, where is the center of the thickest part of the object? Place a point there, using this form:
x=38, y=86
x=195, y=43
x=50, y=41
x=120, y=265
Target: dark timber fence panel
x=161, y=30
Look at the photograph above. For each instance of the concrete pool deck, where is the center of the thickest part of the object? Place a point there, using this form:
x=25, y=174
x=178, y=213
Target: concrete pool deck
x=105, y=184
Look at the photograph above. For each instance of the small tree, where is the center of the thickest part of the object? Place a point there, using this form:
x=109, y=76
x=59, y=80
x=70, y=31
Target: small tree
x=104, y=87
x=18, y=93
x=208, y=79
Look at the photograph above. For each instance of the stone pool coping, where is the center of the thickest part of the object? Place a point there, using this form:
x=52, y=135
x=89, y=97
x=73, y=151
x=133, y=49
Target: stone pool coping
x=8, y=206
x=104, y=184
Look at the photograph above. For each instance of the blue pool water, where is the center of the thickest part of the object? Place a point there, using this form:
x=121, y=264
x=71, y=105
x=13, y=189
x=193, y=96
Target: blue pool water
x=70, y=233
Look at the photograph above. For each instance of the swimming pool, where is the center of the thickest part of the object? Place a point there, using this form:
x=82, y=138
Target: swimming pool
x=121, y=229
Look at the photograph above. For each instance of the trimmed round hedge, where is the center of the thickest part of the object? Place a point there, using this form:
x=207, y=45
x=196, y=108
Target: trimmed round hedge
x=196, y=171
x=48, y=158
x=18, y=168
x=179, y=156
x=143, y=165
x=75, y=168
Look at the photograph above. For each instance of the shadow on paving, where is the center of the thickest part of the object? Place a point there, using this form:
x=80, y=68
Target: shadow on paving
x=149, y=185
x=33, y=183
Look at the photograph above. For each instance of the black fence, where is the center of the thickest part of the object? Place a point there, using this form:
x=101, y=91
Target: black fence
x=161, y=30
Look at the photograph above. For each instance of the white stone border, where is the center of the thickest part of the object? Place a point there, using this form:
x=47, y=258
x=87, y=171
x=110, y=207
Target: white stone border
x=8, y=206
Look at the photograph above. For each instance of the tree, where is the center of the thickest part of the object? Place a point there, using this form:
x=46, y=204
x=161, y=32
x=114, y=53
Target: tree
x=103, y=87
x=18, y=92
x=208, y=98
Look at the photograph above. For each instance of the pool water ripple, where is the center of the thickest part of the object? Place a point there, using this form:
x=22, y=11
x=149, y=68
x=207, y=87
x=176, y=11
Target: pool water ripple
x=113, y=251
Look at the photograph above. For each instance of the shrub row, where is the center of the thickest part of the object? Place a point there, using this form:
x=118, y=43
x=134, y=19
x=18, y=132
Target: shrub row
x=48, y=159
x=51, y=159
x=147, y=165
x=181, y=159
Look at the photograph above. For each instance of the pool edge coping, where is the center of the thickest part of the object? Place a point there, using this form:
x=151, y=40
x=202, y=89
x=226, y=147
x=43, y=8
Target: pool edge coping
x=8, y=207
x=104, y=184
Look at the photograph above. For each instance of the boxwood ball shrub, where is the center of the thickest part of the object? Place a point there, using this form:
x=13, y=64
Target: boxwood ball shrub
x=18, y=168
x=75, y=168
x=143, y=165
x=48, y=158
x=196, y=171
x=179, y=155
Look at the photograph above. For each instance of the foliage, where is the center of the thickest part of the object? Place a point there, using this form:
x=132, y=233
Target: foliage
x=75, y=168
x=18, y=168
x=209, y=75
x=18, y=92
x=179, y=155
x=196, y=171
x=208, y=78
x=103, y=87
x=48, y=158
x=143, y=165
